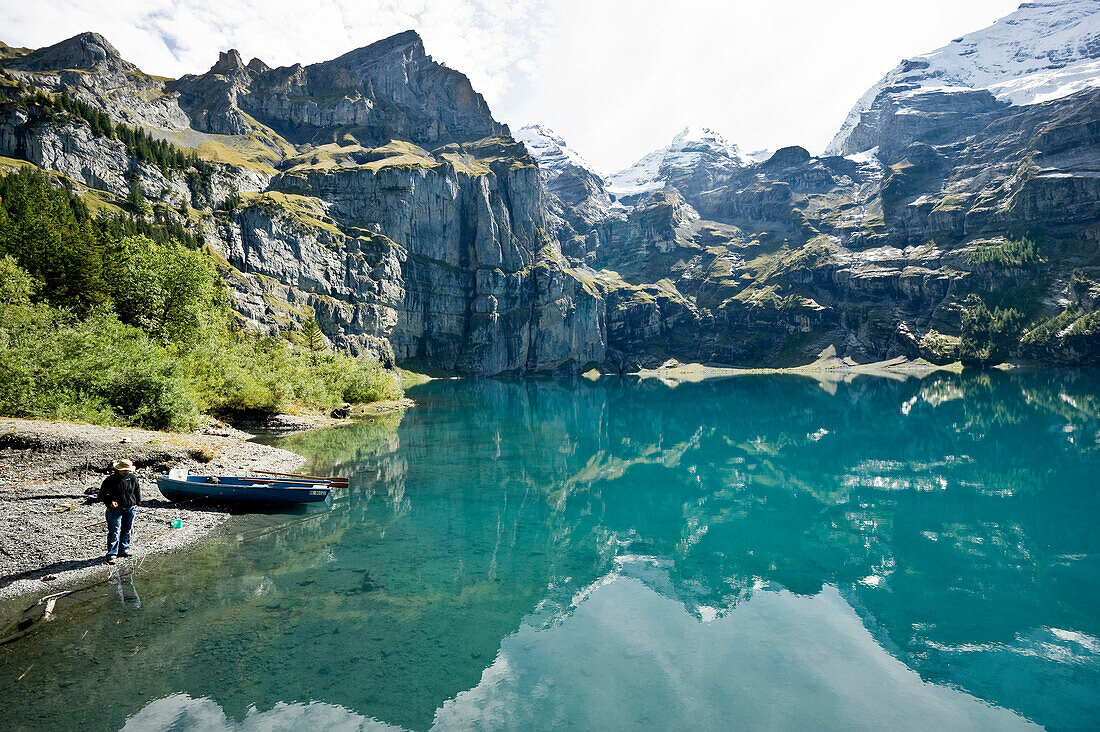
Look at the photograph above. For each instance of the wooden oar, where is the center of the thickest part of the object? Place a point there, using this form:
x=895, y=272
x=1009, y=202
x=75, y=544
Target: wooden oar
x=300, y=476
x=288, y=479
x=284, y=481
x=326, y=481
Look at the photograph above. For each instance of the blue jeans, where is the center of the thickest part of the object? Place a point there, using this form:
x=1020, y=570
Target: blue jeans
x=119, y=518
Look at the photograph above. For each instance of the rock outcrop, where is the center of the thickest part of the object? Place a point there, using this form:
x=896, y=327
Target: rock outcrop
x=88, y=68
x=483, y=289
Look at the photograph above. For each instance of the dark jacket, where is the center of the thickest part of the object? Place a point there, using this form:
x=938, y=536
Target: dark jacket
x=122, y=489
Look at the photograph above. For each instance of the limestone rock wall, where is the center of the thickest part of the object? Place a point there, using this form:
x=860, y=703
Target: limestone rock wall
x=427, y=265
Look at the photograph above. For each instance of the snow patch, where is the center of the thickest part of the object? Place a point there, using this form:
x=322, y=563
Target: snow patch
x=867, y=157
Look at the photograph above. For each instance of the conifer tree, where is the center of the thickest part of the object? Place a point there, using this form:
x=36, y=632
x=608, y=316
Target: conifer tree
x=313, y=339
x=136, y=199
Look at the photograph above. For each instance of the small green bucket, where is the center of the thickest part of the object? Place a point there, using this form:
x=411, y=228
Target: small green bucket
x=177, y=523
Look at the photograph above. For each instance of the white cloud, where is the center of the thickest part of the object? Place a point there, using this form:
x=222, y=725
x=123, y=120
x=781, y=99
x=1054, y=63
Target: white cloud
x=616, y=78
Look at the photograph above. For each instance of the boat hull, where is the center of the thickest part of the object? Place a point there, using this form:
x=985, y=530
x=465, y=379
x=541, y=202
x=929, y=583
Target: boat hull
x=242, y=491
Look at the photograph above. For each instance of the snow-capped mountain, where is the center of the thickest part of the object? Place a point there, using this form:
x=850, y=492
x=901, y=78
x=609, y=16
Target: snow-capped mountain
x=566, y=173
x=1045, y=50
x=697, y=156
x=554, y=156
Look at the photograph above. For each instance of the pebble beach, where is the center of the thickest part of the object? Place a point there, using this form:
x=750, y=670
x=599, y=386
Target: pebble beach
x=52, y=535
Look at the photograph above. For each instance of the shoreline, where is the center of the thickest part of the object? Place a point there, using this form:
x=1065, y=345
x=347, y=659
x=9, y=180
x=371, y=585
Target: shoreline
x=291, y=424
x=52, y=539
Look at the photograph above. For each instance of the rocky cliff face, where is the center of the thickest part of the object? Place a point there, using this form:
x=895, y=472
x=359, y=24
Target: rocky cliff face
x=431, y=259
x=390, y=89
x=783, y=258
x=376, y=192
x=484, y=287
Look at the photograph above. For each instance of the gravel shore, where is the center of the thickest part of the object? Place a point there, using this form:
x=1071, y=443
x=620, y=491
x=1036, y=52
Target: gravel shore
x=52, y=537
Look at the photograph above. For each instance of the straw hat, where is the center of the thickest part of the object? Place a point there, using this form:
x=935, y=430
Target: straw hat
x=122, y=466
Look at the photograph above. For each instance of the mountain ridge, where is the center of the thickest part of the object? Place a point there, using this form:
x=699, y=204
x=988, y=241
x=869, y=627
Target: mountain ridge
x=377, y=192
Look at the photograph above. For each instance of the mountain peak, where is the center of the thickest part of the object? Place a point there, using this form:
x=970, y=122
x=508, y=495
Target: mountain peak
x=92, y=39
x=84, y=51
x=696, y=132
x=693, y=147
x=698, y=138
x=389, y=89
x=541, y=131
x=405, y=37
x=228, y=62
x=550, y=150
x=404, y=43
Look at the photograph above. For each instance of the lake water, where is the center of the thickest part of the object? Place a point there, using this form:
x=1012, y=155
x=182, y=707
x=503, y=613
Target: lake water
x=755, y=552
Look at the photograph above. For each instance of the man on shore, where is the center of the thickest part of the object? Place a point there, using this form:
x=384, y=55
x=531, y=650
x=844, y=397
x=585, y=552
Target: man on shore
x=122, y=494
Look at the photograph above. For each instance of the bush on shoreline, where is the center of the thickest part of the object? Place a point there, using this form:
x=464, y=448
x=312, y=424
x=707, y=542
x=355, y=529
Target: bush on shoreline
x=102, y=325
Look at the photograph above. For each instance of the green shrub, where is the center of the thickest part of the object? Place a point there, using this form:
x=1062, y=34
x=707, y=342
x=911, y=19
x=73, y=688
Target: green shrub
x=171, y=292
x=364, y=380
x=247, y=374
x=988, y=336
x=97, y=370
x=16, y=284
x=109, y=320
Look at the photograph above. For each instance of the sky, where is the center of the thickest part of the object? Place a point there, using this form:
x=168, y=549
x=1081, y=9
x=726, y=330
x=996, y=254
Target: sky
x=614, y=78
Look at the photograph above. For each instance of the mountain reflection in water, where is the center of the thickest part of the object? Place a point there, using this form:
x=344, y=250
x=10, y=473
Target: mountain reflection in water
x=754, y=551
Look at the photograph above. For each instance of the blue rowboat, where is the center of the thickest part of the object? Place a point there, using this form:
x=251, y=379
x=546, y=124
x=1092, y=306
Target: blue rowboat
x=233, y=489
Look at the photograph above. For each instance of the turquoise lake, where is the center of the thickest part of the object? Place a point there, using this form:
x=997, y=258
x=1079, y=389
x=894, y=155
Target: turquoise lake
x=752, y=552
